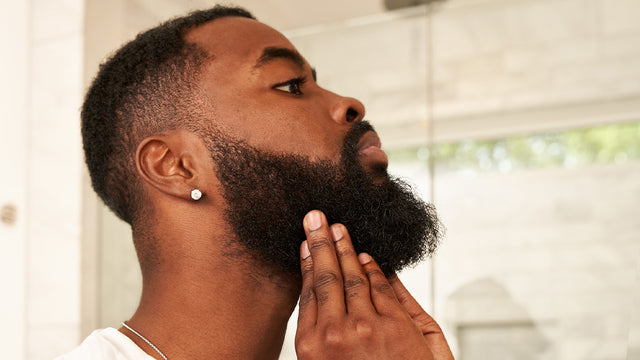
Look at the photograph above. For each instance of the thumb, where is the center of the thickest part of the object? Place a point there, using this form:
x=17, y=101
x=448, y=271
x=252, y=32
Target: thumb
x=430, y=329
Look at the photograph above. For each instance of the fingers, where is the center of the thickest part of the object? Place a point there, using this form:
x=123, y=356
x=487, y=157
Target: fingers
x=334, y=281
x=356, y=284
x=382, y=293
x=307, y=312
x=405, y=298
x=423, y=320
x=346, y=296
x=327, y=277
x=430, y=329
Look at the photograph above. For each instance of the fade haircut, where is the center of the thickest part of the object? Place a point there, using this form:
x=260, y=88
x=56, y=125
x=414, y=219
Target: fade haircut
x=145, y=88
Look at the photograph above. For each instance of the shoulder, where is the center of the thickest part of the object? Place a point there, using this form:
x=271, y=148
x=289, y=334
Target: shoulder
x=106, y=344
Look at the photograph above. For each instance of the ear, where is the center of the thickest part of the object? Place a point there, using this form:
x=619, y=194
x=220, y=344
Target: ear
x=168, y=162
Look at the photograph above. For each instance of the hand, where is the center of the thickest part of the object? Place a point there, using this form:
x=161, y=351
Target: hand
x=348, y=308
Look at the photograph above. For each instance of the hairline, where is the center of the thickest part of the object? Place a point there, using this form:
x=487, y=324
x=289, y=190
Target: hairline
x=119, y=96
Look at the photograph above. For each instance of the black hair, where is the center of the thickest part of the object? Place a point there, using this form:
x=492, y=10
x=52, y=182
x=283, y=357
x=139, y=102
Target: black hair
x=145, y=88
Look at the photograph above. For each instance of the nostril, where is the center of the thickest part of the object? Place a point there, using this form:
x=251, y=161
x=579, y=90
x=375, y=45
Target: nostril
x=352, y=115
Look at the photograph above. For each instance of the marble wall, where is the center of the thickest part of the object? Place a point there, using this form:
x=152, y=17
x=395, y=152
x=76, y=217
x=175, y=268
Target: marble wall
x=48, y=95
x=55, y=170
x=14, y=75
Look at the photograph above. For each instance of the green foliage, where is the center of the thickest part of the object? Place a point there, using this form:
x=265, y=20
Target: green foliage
x=603, y=144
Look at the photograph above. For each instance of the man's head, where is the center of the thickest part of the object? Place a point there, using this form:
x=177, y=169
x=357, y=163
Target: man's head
x=145, y=88
x=278, y=144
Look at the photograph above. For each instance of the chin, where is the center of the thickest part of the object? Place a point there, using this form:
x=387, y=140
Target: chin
x=378, y=173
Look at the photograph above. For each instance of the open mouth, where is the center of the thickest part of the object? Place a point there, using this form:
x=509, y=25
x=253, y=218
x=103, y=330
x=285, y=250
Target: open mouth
x=370, y=152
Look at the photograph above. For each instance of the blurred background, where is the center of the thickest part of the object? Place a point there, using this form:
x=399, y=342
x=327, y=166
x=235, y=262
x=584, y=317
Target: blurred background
x=519, y=119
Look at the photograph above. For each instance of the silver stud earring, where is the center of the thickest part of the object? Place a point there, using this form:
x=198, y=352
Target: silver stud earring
x=196, y=194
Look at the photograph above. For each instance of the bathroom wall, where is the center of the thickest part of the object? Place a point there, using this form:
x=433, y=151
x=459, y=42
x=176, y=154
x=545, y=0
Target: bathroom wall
x=41, y=157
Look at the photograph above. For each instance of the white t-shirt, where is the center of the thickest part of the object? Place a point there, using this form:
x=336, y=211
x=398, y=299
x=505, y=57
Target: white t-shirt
x=106, y=344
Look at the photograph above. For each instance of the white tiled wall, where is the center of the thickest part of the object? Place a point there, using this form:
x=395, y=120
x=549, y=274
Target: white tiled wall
x=53, y=307
x=517, y=55
x=13, y=176
x=52, y=163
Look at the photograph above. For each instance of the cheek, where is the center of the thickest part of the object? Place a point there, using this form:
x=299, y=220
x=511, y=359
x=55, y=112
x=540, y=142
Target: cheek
x=293, y=131
x=300, y=135
x=280, y=125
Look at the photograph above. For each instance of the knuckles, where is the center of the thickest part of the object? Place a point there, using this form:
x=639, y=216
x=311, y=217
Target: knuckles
x=334, y=336
x=382, y=287
x=326, y=278
x=319, y=241
x=364, y=328
x=307, y=296
x=306, y=348
x=353, y=283
x=362, y=337
x=345, y=251
x=307, y=270
x=391, y=333
x=375, y=272
x=322, y=297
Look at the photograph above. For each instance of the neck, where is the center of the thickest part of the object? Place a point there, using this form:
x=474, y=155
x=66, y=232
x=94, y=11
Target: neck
x=208, y=309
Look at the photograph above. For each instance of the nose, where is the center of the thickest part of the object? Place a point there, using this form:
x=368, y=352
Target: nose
x=347, y=110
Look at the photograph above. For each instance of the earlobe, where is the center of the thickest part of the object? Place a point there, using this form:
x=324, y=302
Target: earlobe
x=166, y=166
x=196, y=194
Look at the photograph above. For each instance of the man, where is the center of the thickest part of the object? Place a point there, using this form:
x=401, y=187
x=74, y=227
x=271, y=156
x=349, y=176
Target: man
x=247, y=186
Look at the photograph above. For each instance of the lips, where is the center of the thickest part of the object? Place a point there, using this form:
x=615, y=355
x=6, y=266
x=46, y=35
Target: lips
x=369, y=149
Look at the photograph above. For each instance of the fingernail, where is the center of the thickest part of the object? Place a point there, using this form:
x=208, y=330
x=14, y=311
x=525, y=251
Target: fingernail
x=313, y=221
x=304, y=250
x=365, y=258
x=336, y=231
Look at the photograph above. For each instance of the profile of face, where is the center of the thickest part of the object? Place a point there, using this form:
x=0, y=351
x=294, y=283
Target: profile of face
x=283, y=146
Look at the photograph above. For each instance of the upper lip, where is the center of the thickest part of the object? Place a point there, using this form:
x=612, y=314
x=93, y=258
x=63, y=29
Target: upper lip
x=369, y=139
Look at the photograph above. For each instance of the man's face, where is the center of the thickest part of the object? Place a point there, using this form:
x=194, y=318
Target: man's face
x=283, y=146
x=261, y=91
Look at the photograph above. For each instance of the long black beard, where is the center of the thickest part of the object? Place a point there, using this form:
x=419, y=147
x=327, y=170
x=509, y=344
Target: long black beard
x=269, y=194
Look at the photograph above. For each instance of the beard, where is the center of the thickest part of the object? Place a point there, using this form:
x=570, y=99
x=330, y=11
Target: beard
x=268, y=194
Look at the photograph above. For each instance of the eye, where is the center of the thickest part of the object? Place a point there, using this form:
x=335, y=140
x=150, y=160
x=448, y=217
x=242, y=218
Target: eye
x=292, y=86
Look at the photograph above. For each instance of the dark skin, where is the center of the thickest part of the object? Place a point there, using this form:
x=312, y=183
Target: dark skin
x=198, y=302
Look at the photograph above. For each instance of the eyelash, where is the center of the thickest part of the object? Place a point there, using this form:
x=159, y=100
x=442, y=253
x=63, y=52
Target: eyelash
x=297, y=83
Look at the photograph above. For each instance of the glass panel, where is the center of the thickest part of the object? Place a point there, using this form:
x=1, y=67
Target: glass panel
x=542, y=245
x=544, y=241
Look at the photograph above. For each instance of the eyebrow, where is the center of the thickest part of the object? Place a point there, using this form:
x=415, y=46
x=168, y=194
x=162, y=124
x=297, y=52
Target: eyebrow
x=273, y=53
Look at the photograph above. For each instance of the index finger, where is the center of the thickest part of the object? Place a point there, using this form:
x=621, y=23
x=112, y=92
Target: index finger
x=307, y=307
x=356, y=283
x=327, y=276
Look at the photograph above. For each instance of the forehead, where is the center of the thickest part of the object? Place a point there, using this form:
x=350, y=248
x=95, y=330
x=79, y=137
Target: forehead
x=236, y=38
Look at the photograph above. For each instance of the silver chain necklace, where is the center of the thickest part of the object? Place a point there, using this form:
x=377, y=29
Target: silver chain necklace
x=145, y=340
